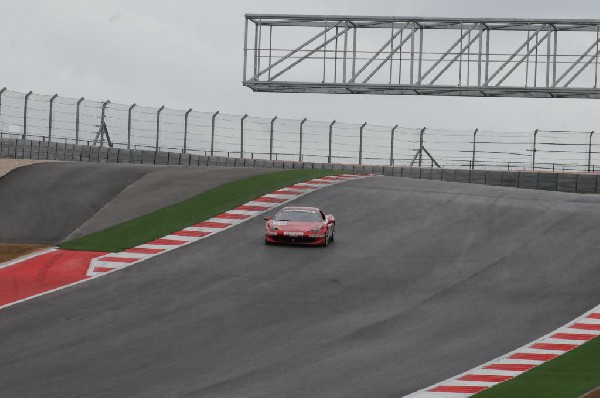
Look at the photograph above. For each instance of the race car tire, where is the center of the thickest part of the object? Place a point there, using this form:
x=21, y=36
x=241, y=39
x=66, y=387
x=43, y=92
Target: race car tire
x=326, y=240
x=332, y=235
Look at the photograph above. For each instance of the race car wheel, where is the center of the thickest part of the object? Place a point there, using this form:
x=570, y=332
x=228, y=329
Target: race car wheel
x=332, y=235
x=326, y=240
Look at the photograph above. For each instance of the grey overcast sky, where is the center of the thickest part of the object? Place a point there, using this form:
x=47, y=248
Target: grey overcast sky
x=184, y=53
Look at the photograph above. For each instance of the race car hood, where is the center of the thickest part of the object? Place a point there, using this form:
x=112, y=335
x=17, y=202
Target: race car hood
x=296, y=226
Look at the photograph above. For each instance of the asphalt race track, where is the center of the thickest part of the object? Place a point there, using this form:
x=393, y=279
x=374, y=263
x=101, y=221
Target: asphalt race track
x=425, y=280
x=48, y=203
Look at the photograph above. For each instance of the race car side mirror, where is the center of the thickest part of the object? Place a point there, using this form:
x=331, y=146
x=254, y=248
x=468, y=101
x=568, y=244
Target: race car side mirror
x=267, y=218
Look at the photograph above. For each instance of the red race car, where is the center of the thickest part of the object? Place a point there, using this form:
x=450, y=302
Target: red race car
x=300, y=225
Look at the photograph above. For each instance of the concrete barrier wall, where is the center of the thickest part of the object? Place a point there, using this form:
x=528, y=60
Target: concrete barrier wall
x=563, y=182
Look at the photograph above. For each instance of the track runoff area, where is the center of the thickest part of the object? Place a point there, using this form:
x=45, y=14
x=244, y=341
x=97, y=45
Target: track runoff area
x=65, y=268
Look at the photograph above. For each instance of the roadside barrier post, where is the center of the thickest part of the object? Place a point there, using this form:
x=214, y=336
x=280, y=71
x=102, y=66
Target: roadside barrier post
x=474, y=143
x=50, y=117
x=534, y=149
x=129, y=125
x=25, y=114
x=392, y=145
x=158, y=126
x=360, y=147
x=242, y=135
x=301, y=133
x=421, y=137
x=1, y=92
x=589, y=165
x=212, y=135
x=185, y=130
x=271, y=138
x=77, y=121
x=330, y=137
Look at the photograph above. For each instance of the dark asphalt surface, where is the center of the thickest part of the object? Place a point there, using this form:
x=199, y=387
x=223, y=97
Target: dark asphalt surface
x=426, y=279
x=51, y=202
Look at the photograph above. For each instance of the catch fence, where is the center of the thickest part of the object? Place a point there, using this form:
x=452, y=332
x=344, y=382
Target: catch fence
x=83, y=121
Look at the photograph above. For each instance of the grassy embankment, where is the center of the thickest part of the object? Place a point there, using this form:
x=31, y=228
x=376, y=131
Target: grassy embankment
x=193, y=210
x=569, y=376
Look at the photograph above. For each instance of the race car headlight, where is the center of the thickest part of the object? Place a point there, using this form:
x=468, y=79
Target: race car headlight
x=320, y=228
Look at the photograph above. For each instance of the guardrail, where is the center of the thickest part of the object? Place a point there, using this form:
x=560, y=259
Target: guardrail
x=549, y=181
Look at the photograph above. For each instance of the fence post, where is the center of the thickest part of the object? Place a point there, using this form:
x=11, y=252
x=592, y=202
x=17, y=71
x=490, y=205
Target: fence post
x=392, y=145
x=50, y=117
x=129, y=125
x=1, y=92
x=301, y=133
x=330, y=136
x=242, y=135
x=534, y=148
x=589, y=165
x=271, y=139
x=102, y=122
x=421, y=136
x=185, y=130
x=25, y=114
x=158, y=126
x=474, y=142
x=360, y=147
x=77, y=121
x=212, y=136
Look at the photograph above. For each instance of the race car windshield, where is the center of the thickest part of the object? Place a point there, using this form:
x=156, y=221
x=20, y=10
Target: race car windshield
x=305, y=216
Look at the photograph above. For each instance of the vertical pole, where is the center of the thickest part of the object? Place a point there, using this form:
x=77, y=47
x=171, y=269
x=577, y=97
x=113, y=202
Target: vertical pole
x=330, y=137
x=50, y=114
x=255, y=47
x=270, y=49
x=400, y=58
x=242, y=135
x=212, y=133
x=479, y=56
x=554, y=56
x=391, y=49
x=474, y=143
x=345, y=52
x=185, y=130
x=548, y=55
x=412, y=53
x=460, y=59
x=420, y=52
x=487, y=55
x=534, y=148
x=354, y=51
x=335, y=55
x=129, y=125
x=360, y=145
x=392, y=145
x=1, y=92
x=421, y=137
x=259, y=47
x=77, y=121
x=589, y=165
x=245, y=47
x=25, y=114
x=324, y=50
x=301, y=134
x=158, y=126
x=271, y=138
x=104, y=105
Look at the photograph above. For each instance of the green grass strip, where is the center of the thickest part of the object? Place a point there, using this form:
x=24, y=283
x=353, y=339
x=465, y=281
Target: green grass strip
x=190, y=211
x=568, y=376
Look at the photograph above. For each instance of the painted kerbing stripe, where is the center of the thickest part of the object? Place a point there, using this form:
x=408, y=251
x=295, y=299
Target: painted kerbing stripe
x=512, y=364
x=103, y=263
x=214, y=225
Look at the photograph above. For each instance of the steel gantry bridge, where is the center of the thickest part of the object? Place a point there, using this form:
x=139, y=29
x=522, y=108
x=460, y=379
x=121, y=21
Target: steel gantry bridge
x=481, y=57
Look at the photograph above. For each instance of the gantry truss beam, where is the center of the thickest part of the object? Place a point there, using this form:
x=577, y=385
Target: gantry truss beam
x=487, y=57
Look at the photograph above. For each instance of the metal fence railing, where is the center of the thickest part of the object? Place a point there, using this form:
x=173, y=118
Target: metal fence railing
x=79, y=121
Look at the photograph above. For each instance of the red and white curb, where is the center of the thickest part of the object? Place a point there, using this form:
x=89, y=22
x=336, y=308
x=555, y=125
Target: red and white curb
x=115, y=261
x=508, y=366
